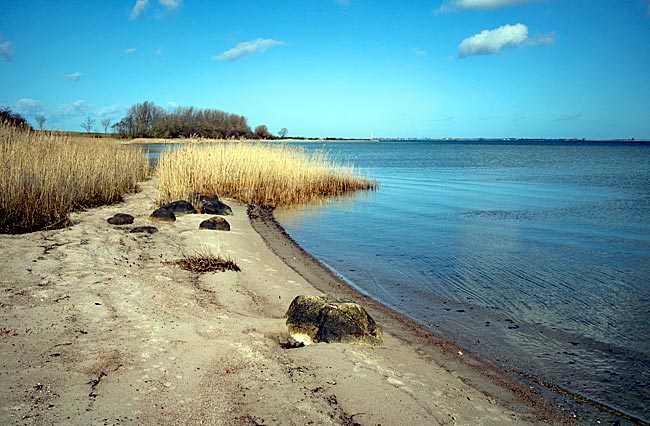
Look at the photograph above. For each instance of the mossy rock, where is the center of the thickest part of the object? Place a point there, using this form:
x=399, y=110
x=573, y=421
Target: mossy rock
x=162, y=215
x=179, y=207
x=120, y=219
x=215, y=224
x=313, y=319
x=144, y=230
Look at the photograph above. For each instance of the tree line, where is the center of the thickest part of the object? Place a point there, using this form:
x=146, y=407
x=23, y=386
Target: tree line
x=147, y=120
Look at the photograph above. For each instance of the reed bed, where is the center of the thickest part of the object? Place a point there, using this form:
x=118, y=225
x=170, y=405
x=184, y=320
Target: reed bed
x=45, y=176
x=255, y=173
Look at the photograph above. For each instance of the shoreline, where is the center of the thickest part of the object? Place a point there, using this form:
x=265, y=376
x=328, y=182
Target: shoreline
x=97, y=327
x=471, y=369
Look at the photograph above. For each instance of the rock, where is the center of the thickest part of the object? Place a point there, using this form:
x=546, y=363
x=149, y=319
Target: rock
x=120, y=219
x=145, y=229
x=210, y=204
x=179, y=207
x=313, y=319
x=162, y=216
x=215, y=223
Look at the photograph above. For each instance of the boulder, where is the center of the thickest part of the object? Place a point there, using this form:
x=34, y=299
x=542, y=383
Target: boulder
x=144, y=229
x=162, y=216
x=179, y=207
x=313, y=319
x=215, y=223
x=120, y=219
x=210, y=204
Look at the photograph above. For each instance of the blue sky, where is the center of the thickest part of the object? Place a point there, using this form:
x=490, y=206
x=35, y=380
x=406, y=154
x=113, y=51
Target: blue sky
x=343, y=68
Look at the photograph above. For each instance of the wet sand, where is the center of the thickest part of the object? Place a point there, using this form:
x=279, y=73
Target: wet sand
x=97, y=328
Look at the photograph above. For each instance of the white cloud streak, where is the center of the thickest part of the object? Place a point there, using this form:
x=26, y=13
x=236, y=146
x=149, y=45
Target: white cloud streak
x=419, y=52
x=544, y=39
x=140, y=6
x=249, y=47
x=449, y=6
x=5, y=51
x=130, y=50
x=76, y=76
x=491, y=42
x=170, y=4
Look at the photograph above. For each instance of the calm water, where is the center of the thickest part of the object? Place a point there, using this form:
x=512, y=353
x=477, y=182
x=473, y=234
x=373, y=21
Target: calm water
x=535, y=256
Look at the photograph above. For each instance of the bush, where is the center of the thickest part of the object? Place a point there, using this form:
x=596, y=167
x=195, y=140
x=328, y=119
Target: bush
x=13, y=119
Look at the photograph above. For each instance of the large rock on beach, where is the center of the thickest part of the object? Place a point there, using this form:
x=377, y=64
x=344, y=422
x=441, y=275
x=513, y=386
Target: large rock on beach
x=162, y=215
x=144, y=230
x=120, y=219
x=215, y=224
x=313, y=319
x=179, y=207
x=210, y=204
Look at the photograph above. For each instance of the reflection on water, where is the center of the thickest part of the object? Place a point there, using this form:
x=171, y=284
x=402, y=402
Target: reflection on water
x=535, y=256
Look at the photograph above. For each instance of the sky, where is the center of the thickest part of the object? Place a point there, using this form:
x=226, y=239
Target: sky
x=338, y=68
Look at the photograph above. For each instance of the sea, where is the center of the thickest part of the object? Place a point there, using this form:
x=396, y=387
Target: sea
x=534, y=255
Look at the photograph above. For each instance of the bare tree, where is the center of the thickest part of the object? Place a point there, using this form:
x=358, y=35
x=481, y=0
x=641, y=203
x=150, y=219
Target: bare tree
x=40, y=119
x=283, y=133
x=88, y=124
x=106, y=123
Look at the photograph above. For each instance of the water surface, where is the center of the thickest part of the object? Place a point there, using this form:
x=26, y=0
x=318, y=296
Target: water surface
x=533, y=255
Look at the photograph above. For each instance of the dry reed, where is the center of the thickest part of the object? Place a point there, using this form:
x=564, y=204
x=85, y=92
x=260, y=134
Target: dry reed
x=255, y=173
x=45, y=176
x=204, y=261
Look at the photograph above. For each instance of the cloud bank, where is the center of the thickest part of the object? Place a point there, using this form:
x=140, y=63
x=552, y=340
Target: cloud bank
x=491, y=42
x=75, y=109
x=29, y=107
x=242, y=49
x=454, y=5
x=5, y=51
x=76, y=76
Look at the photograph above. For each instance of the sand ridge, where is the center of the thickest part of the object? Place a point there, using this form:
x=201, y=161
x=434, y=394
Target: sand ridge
x=97, y=328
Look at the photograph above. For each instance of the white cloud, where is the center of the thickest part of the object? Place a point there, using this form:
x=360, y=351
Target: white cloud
x=29, y=107
x=158, y=52
x=170, y=4
x=75, y=76
x=140, y=6
x=5, y=51
x=544, y=39
x=453, y=5
x=242, y=49
x=419, y=52
x=130, y=50
x=490, y=42
x=343, y=2
x=75, y=109
x=110, y=111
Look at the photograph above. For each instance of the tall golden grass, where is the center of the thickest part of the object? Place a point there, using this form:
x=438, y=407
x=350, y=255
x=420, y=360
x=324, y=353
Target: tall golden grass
x=46, y=176
x=255, y=173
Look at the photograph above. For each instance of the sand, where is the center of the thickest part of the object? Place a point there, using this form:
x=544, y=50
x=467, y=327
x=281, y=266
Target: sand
x=96, y=328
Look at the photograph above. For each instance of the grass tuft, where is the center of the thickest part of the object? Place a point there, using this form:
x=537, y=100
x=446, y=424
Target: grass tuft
x=46, y=176
x=255, y=173
x=204, y=261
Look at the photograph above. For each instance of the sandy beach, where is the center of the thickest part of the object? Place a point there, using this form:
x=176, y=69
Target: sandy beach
x=97, y=328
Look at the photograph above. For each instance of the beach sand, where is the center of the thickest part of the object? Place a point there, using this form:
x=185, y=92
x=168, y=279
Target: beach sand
x=95, y=328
